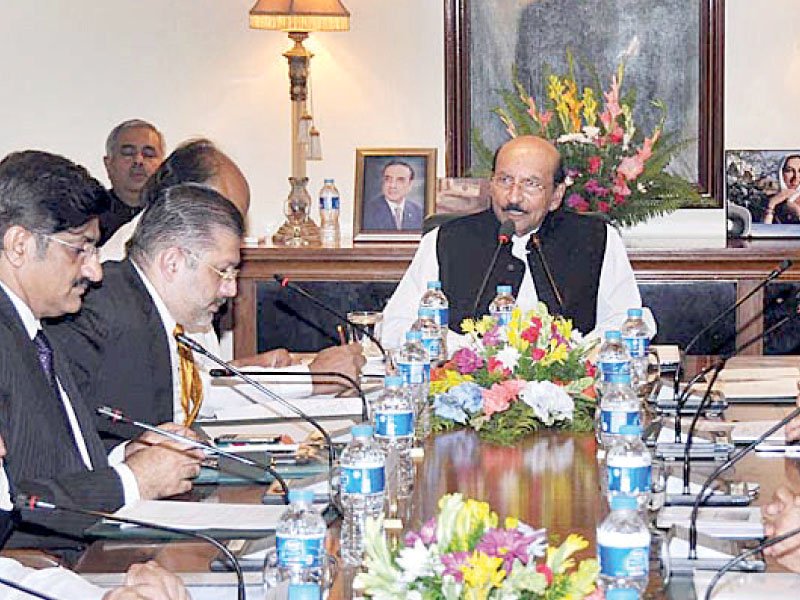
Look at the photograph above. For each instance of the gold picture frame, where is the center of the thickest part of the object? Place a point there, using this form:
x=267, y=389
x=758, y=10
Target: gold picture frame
x=395, y=190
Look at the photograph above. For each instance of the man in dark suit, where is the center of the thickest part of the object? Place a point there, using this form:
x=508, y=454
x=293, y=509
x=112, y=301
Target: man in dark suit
x=48, y=225
x=393, y=210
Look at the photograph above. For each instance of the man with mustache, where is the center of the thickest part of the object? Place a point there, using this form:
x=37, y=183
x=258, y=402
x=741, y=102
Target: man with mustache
x=586, y=257
x=48, y=228
x=134, y=150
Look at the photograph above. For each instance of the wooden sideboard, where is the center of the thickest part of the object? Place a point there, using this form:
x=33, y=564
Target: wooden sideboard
x=744, y=263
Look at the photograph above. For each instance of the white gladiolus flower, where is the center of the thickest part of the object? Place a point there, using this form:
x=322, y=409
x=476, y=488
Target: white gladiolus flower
x=550, y=403
x=509, y=356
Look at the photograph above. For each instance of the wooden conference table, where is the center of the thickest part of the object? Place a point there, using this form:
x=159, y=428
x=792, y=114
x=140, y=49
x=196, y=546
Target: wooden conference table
x=550, y=479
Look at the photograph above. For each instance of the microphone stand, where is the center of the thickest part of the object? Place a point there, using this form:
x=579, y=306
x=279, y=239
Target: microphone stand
x=503, y=238
x=116, y=415
x=285, y=283
x=24, y=501
x=537, y=244
x=353, y=383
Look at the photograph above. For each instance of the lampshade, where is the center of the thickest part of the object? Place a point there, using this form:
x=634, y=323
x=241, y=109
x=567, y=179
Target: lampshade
x=300, y=15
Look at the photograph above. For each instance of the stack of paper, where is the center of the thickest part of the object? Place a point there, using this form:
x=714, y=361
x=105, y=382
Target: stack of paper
x=204, y=515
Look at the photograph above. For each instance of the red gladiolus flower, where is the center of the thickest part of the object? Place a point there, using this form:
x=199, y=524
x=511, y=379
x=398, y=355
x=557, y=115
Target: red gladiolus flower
x=595, y=162
x=546, y=571
x=603, y=206
x=495, y=366
x=531, y=334
x=537, y=354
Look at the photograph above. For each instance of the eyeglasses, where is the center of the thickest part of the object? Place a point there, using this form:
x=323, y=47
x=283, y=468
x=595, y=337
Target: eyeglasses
x=229, y=274
x=82, y=251
x=527, y=187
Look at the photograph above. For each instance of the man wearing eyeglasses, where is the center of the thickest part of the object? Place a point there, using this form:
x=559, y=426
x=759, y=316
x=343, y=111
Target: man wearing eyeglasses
x=134, y=150
x=580, y=269
x=48, y=225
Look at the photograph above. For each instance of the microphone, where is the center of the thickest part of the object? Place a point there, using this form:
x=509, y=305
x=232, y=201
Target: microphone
x=537, y=245
x=286, y=283
x=776, y=272
x=195, y=347
x=116, y=416
x=32, y=503
x=353, y=383
x=25, y=590
x=503, y=238
x=744, y=556
x=724, y=466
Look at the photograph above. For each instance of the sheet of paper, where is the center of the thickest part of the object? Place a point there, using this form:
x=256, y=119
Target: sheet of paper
x=727, y=522
x=204, y=515
x=297, y=430
x=747, y=431
x=680, y=547
x=260, y=407
x=667, y=436
x=756, y=374
x=749, y=586
x=773, y=388
x=668, y=354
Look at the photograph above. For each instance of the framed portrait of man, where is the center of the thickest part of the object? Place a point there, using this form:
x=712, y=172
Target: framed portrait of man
x=394, y=191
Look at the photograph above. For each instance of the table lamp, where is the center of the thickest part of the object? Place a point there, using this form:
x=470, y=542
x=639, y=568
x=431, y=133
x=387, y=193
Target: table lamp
x=298, y=18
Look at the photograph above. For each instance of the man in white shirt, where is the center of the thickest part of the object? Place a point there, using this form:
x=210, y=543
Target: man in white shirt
x=576, y=265
x=48, y=227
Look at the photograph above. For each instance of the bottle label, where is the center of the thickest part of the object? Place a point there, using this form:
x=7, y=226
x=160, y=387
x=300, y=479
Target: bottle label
x=611, y=421
x=616, y=371
x=441, y=316
x=432, y=345
x=503, y=317
x=394, y=424
x=367, y=480
x=329, y=203
x=629, y=480
x=623, y=562
x=300, y=550
x=414, y=373
x=638, y=346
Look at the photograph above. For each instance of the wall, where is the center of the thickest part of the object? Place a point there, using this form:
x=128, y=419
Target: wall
x=74, y=69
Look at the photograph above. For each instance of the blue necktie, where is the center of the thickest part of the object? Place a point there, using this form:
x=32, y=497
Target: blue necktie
x=45, y=352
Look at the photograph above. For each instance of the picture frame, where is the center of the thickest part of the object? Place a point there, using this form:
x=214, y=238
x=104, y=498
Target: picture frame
x=483, y=39
x=395, y=189
x=762, y=192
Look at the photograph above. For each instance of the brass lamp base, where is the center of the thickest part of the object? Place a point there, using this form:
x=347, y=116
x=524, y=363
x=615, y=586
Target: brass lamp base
x=305, y=234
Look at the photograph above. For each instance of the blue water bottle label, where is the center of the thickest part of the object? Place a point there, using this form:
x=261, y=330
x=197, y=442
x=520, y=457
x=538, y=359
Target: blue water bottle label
x=623, y=562
x=629, y=480
x=503, y=317
x=611, y=421
x=394, y=424
x=329, y=203
x=300, y=550
x=432, y=345
x=368, y=480
x=637, y=346
x=441, y=316
x=414, y=373
x=615, y=371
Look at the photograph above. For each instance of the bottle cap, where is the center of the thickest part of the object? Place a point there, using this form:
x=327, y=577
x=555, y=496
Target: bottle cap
x=304, y=591
x=613, y=334
x=503, y=289
x=434, y=285
x=622, y=594
x=301, y=496
x=392, y=381
x=635, y=312
x=425, y=312
x=413, y=336
x=623, y=503
x=329, y=180
x=631, y=430
x=361, y=431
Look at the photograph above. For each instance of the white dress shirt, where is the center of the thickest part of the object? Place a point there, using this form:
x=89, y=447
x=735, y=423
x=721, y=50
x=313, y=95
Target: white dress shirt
x=114, y=248
x=129, y=486
x=617, y=290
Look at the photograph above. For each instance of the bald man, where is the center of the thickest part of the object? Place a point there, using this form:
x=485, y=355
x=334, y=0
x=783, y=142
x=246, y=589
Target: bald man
x=592, y=281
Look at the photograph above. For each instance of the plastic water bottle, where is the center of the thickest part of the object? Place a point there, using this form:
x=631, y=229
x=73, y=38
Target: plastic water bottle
x=435, y=299
x=393, y=422
x=502, y=305
x=636, y=336
x=628, y=466
x=619, y=406
x=329, y=214
x=623, y=547
x=300, y=547
x=613, y=360
x=431, y=335
x=413, y=365
x=362, y=490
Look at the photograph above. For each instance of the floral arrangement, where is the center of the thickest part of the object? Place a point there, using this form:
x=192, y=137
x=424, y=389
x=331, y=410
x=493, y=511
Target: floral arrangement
x=463, y=554
x=611, y=168
x=514, y=379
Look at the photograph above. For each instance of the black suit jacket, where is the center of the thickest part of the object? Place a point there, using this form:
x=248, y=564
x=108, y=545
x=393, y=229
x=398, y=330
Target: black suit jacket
x=119, y=354
x=43, y=458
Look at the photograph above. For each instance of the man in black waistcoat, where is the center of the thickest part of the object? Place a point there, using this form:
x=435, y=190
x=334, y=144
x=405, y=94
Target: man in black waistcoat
x=579, y=270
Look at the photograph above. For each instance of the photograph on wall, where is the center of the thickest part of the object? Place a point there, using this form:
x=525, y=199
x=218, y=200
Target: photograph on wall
x=764, y=187
x=394, y=191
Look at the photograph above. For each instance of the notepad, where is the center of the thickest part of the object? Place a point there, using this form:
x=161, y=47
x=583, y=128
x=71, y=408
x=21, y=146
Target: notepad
x=204, y=515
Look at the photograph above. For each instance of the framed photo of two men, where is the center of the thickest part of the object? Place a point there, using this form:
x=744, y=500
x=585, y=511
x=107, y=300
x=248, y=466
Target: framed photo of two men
x=394, y=192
